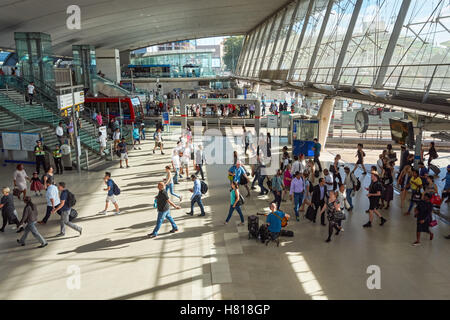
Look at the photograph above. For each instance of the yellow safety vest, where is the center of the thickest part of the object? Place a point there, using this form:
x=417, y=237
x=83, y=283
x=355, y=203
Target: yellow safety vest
x=39, y=151
x=57, y=153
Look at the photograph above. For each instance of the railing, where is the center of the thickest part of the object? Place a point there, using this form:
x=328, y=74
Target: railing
x=399, y=77
x=167, y=75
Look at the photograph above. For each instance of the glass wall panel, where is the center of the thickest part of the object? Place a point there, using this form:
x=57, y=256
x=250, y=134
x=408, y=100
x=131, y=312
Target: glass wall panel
x=249, y=53
x=272, y=38
x=295, y=34
x=424, y=43
x=333, y=38
x=285, y=26
x=370, y=38
x=263, y=43
x=309, y=42
x=254, y=52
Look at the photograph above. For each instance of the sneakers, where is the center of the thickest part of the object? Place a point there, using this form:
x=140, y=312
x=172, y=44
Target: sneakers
x=102, y=212
x=20, y=230
x=189, y=213
x=201, y=215
x=151, y=235
x=21, y=243
x=117, y=212
x=415, y=244
x=181, y=198
x=173, y=230
x=368, y=225
x=383, y=221
x=297, y=218
x=43, y=245
x=60, y=235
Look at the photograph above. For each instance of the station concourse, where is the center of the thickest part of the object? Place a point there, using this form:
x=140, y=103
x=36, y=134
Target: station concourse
x=332, y=72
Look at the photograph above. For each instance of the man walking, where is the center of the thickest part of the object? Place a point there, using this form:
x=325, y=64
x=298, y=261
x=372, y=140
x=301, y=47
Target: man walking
x=158, y=141
x=65, y=208
x=316, y=148
x=196, y=197
x=31, y=89
x=123, y=152
x=60, y=133
x=53, y=200
x=110, y=186
x=199, y=161
x=318, y=199
x=163, y=206
x=30, y=217
x=296, y=192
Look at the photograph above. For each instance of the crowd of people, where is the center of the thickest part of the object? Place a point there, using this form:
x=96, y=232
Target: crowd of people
x=308, y=186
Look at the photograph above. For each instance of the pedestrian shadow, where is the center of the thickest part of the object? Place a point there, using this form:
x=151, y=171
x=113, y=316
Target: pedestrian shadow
x=148, y=224
x=105, y=244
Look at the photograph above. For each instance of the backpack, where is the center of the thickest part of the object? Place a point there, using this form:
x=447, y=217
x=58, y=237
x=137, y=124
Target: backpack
x=203, y=187
x=71, y=200
x=356, y=186
x=116, y=189
x=311, y=187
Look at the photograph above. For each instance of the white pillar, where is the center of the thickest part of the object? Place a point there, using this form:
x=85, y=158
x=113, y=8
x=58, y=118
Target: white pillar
x=108, y=62
x=324, y=117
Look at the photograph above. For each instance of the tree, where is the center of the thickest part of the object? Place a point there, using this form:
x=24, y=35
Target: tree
x=232, y=49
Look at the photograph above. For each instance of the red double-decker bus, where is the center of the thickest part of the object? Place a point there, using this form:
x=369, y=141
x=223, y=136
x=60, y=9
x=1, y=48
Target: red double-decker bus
x=131, y=107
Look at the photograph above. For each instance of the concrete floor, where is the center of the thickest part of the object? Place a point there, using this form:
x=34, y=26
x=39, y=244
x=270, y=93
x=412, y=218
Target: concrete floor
x=207, y=260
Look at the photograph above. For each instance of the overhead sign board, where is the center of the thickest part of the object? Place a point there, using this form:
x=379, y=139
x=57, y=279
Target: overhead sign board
x=66, y=100
x=218, y=100
x=272, y=121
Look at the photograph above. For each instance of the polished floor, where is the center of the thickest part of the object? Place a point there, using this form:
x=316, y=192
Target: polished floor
x=114, y=259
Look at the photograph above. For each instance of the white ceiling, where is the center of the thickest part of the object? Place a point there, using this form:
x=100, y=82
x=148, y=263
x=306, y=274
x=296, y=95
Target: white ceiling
x=131, y=24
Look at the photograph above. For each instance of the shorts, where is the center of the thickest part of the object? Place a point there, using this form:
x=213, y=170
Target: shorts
x=124, y=156
x=374, y=203
x=158, y=144
x=111, y=198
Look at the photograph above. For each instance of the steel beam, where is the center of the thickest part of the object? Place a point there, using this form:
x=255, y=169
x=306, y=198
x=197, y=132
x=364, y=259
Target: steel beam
x=312, y=62
x=347, y=39
x=288, y=35
x=392, y=43
x=300, y=39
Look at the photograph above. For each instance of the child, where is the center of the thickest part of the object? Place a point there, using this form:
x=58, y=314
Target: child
x=36, y=184
x=136, y=137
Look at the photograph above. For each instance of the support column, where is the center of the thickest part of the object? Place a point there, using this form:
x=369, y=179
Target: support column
x=418, y=145
x=183, y=114
x=257, y=120
x=324, y=117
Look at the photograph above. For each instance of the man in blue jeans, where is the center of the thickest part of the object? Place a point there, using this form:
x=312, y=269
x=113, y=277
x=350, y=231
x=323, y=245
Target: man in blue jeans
x=196, y=196
x=296, y=192
x=163, y=206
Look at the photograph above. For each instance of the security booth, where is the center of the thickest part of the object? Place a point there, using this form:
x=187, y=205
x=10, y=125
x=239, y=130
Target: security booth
x=304, y=130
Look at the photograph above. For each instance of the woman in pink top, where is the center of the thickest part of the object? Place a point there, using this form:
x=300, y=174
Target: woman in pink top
x=287, y=181
x=99, y=119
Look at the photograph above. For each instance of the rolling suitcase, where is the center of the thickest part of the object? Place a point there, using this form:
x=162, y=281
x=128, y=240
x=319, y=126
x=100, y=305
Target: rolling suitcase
x=253, y=227
x=311, y=214
x=435, y=169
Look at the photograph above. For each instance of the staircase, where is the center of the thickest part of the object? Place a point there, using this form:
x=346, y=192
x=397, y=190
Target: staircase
x=16, y=113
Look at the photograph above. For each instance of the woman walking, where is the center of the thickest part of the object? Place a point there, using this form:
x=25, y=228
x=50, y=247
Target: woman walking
x=30, y=218
x=388, y=181
x=333, y=213
x=168, y=183
x=423, y=212
x=47, y=176
x=307, y=192
x=287, y=179
x=374, y=196
x=235, y=203
x=20, y=180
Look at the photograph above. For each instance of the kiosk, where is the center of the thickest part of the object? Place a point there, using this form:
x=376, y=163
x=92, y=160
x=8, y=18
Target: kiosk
x=304, y=130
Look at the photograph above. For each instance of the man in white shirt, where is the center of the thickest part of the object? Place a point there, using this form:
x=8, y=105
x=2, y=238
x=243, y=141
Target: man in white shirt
x=60, y=133
x=199, y=161
x=328, y=180
x=116, y=138
x=295, y=166
x=158, y=141
x=102, y=141
x=53, y=200
x=31, y=92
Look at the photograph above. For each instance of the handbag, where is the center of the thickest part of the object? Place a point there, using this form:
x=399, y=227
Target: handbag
x=433, y=223
x=241, y=200
x=339, y=215
x=16, y=192
x=416, y=196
